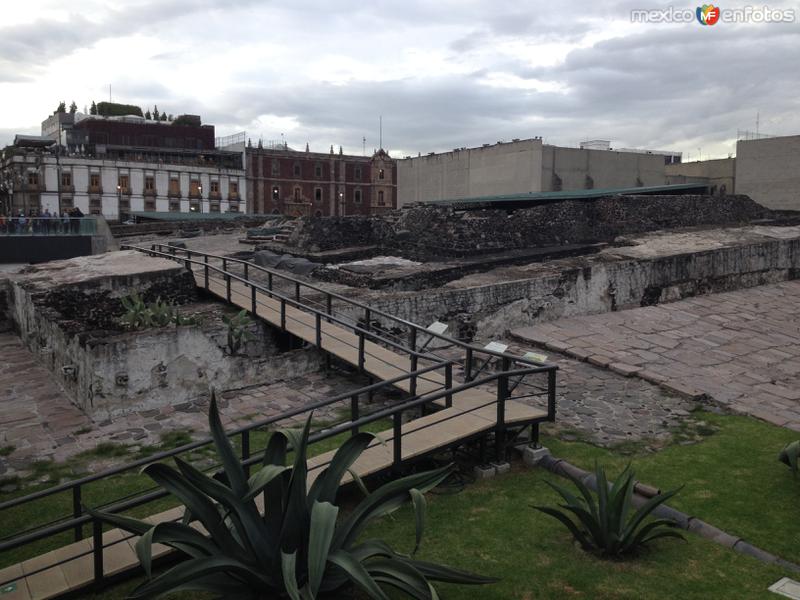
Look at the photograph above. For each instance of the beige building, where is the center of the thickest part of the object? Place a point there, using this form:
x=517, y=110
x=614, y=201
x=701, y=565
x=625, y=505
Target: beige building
x=523, y=166
x=768, y=170
x=719, y=173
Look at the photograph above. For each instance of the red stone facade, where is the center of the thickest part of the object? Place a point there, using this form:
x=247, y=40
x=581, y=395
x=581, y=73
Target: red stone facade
x=296, y=183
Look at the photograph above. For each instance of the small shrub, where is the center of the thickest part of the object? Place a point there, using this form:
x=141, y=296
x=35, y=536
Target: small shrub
x=238, y=330
x=790, y=456
x=161, y=313
x=302, y=547
x=609, y=526
x=137, y=315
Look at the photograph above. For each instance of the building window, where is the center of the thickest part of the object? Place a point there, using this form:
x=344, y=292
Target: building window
x=33, y=178
x=123, y=185
x=380, y=174
x=194, y=207
x=214, y=186
x=276, y=193
x=194, y=189
x=380, y=199
x=357, y=173
x=233, y=190
x=297, y=194
x=174, y=206
x=297, y=169
x=318, y=170
x=175, y=187
x=276, y=167
x=357, y=197
x=318, y=194
x=234, y=207
x=94, y=181
x=66, y=180
x=150, y=204
x=150, y=185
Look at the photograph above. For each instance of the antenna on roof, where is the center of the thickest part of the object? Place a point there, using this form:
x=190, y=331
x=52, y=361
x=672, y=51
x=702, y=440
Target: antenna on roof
x=364, y=144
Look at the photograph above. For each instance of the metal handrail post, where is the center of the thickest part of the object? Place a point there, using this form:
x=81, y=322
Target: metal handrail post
x=97, y=549
x=502, y=395
x=448, y=383
x=354, y=413
x=77, y=511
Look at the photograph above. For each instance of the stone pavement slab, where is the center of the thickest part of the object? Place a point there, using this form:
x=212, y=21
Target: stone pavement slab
x=741, y=349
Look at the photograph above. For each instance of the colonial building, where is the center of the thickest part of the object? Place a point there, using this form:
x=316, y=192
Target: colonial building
x=304, y=183
x=115, y=166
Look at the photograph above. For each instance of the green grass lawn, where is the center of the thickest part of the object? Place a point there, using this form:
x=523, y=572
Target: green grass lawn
x=731, y=479
x=103, y=491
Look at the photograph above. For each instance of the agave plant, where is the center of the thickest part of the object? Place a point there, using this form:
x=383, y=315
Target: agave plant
x=301, y=547
x=609, y=525
x=161, y=313
x=238, y=332
x=790, y=456
x=136, y=315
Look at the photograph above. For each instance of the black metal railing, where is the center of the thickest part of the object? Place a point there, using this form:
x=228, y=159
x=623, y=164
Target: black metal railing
x=79, y=519
x=321, y=302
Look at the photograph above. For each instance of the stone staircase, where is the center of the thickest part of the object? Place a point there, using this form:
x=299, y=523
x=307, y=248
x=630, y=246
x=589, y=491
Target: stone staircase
x=287, y=229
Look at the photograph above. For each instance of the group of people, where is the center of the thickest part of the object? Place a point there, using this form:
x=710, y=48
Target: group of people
x=42, y=224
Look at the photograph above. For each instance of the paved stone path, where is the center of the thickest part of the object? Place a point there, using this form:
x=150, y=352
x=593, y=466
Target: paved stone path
x=38, y=422
x=601, y=406
x=740, y=348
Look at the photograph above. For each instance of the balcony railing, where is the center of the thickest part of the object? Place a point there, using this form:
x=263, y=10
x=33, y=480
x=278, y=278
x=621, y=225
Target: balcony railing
x=96, y=189
x=174, y=194
x=42, y=226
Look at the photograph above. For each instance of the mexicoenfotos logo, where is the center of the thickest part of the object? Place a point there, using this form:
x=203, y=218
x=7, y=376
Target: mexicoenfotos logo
x=708, y=14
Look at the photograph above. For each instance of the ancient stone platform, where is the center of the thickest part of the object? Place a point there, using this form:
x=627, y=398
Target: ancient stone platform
x=741, y=349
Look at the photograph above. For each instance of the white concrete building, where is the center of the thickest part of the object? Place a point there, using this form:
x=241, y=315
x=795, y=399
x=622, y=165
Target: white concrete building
x=41, y=180
x=523, y=166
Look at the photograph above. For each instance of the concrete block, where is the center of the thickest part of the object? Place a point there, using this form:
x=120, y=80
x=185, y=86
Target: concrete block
x=501, y=467
x=484, y=472
x=531, y=456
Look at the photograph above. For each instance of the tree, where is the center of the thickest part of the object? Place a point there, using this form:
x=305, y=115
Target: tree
x=147, y=115
x=93, y=108
x=62, y=107
x=156, y=114
x=170, y=118
x=163, y=116
x=73, y=108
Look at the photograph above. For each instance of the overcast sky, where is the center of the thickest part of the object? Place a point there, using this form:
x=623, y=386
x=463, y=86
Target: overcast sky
x=443, y=74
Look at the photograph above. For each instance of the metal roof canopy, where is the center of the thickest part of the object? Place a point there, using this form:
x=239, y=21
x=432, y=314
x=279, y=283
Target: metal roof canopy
x=199, y=216
x=515, y=201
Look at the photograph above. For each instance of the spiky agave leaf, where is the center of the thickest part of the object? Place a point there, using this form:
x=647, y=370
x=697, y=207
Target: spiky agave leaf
x=610, y=528
x=299, y=547
x=790, y=456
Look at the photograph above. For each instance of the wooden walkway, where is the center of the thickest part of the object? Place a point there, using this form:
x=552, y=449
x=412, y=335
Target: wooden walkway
x=472, y=413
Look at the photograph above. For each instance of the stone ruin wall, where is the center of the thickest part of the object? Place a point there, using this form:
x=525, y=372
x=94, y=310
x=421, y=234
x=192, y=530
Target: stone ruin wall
x=430, y=233
x=107, y=371
x=591, y=285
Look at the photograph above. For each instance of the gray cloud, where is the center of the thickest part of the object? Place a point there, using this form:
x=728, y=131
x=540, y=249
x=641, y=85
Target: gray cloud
x=678, y=86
